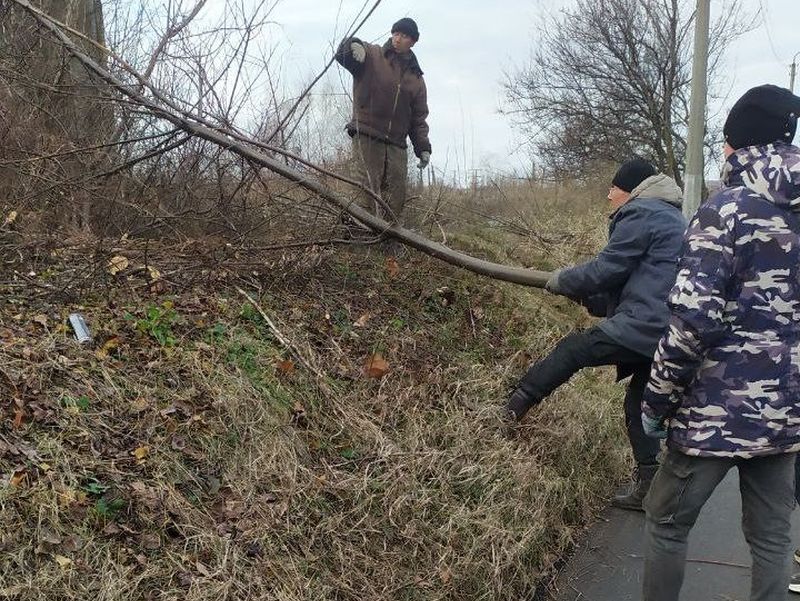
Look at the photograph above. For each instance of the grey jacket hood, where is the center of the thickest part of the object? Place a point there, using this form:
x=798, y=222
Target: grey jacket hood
x=661, y=187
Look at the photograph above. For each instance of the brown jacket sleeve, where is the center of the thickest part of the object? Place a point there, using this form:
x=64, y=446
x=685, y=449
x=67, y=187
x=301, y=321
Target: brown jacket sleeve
x=344, y=56
x=418, y=131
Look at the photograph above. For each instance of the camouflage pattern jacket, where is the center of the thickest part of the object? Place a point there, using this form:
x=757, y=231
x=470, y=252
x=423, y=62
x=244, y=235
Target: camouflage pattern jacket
x=726, y=374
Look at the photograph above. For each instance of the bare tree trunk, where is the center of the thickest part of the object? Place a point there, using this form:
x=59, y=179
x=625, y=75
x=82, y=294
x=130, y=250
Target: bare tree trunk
x=67, y=111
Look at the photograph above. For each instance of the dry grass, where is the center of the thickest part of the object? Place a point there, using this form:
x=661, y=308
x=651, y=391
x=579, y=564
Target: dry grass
x=192, y=462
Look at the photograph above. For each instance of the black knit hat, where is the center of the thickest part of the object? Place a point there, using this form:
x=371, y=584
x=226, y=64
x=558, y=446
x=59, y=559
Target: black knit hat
x=632, y=173
x=408, y=27
x=762, y=115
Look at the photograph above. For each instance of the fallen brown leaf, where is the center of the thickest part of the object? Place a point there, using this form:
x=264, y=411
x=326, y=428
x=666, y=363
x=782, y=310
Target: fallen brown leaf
x=139, y=405
x=19, y=414
x=392, y=267
x=108, y=346
x=62, y=561
x=18, y=478
x=117, y=264
x=141, y=452
x=362, y=321
x=376, y=366
x=286, y=367
x=49, y=537
x=41, y=319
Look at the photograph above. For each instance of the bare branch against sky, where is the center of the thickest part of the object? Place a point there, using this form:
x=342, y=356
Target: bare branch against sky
x=466, y=47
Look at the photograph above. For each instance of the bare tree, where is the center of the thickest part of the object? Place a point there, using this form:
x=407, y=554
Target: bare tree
x=79, y=159
x=611, y=78
x=52, y=104
x=260, y=155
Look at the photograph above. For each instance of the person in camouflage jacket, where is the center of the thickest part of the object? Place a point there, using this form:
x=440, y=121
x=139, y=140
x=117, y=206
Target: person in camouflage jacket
x=725, y=384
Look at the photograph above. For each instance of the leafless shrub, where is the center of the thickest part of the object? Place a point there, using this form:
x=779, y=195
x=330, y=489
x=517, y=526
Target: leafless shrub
x=611, y=78
x=77, y=159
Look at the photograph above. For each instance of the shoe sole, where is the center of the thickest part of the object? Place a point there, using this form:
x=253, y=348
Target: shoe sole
x=794, y=588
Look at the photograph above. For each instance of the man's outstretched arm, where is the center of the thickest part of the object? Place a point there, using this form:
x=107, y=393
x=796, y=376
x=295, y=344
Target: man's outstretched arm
x=352, y=55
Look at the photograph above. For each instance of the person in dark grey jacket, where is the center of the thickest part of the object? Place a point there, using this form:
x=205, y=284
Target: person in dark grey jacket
x=628, y=283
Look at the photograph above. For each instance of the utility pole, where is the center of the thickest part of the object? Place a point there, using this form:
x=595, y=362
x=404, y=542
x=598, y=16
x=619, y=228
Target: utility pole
x=693, y=188
x=792, y=72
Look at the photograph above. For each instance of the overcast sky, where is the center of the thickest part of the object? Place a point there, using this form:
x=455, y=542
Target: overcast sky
x=466, y=47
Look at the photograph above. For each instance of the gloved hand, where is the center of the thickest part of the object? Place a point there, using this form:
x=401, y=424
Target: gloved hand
x=552, y=283
x=654, y=428
x=424, y=159
x=358, y=51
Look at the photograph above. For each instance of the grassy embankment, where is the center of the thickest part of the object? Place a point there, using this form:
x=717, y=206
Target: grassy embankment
x=189, y=455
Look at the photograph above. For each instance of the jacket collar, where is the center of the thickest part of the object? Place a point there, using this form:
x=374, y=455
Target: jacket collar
x=661, y=187
x=656, y=187
x=772, y=171
x=410, y=59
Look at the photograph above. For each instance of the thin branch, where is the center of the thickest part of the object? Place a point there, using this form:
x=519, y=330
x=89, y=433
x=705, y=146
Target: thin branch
x=230, y=141
x=305, y=93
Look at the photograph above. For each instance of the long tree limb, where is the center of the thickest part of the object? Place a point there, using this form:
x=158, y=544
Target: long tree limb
x=527, y=277
x=229, y=130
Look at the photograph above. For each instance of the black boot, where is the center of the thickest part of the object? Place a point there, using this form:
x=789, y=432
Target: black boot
x=519, y=402
x=643, y=475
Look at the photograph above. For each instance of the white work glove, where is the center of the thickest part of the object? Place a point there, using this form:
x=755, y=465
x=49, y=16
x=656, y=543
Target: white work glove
x=424, y=159
x=358, y=51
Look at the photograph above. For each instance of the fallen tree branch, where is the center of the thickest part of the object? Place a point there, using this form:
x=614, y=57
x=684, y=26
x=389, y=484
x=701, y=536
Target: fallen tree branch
x=222, y=137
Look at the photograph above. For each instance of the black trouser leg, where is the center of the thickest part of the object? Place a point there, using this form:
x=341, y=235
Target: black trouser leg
x=569, y=356
x=645, y=448
x=578, y=350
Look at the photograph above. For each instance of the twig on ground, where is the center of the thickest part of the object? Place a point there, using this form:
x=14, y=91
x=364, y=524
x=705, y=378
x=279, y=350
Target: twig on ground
x=287, y=344
x=713, y=562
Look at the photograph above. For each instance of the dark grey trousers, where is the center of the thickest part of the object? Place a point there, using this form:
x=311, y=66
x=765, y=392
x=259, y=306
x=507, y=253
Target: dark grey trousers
x=680, y=489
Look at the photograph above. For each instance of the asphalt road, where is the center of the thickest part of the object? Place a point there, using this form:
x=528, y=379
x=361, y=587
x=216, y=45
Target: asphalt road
x=608, y=562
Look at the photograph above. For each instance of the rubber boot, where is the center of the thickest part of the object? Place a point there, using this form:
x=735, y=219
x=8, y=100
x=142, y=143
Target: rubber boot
x=643, y=475
x=518, y=403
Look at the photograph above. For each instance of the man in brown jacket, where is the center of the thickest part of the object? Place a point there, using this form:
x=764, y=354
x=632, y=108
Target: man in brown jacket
x=390, y=104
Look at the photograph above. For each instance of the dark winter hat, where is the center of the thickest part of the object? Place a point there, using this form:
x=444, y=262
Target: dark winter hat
x=762, y=115
x=408, y=27
x=632, y=173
